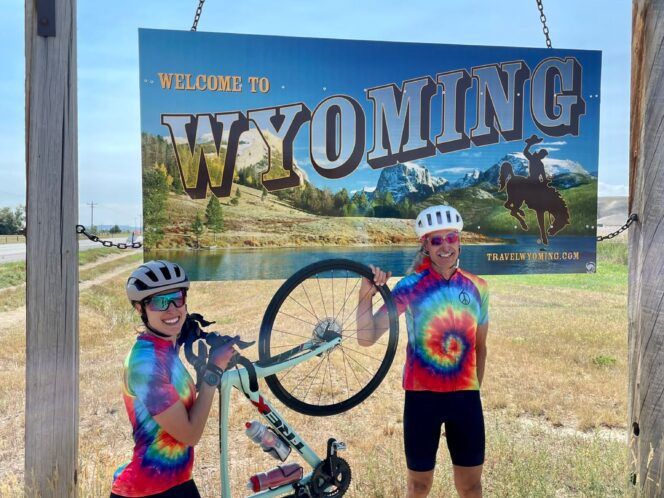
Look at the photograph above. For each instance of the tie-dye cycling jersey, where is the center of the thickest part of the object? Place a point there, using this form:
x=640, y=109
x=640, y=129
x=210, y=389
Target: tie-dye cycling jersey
x=442, y=317
x=154, y=380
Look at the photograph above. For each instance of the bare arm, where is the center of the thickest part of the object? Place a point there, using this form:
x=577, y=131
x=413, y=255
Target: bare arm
x=481, y=350
x=187, y=426
x=371, y=327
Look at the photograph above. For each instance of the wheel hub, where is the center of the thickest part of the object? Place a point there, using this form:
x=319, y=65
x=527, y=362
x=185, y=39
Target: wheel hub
x=326, y=329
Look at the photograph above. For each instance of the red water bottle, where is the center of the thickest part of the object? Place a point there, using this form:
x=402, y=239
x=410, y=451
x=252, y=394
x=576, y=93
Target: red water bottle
x=278, y=476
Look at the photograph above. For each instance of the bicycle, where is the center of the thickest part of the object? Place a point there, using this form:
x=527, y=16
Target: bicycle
x=319, y=336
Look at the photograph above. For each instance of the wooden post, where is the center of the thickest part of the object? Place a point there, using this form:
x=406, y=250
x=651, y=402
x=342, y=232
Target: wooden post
x=646, y=249
x=51, y=404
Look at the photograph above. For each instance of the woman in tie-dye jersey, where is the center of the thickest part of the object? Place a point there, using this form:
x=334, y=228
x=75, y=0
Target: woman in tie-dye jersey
x=447, y=320
x=166, y=415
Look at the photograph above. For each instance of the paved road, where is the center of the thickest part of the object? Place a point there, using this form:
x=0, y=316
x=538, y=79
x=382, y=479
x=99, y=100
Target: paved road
x=16, y=252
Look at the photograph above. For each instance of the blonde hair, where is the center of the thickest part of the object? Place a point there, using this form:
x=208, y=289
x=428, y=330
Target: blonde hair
x=418, y=260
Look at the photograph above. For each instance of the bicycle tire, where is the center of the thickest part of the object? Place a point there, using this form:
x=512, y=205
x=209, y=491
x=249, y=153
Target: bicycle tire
x=267, y=332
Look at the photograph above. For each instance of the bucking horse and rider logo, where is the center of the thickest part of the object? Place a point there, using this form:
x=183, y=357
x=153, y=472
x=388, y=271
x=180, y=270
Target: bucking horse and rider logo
x=536, y=191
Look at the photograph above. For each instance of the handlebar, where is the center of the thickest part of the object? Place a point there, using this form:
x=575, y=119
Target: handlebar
x=192, y=332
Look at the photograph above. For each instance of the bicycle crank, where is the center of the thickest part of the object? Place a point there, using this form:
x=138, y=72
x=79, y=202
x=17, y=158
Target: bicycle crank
x=331, y=477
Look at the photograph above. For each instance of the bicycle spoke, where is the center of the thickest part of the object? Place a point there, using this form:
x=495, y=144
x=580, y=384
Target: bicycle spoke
x=321, y=294
x=290, y=333
x=351, y=368
x=345, y=289
x=283, y=377
x=308, y=299
x=322, y=383
x=363, y=354
x=302, y=306
x=346, y=337
x=329, y=369
x=355, y=308
x=310, y=385
x=358, y=363
x=346, y=300
x=343, y=357
x=287, y=346
x=333, y=292
x=307, y=376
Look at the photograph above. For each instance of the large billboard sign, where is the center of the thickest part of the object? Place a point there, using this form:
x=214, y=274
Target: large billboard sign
x=261, y=153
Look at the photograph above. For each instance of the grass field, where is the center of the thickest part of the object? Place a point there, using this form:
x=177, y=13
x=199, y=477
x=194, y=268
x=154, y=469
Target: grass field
x=555, y=391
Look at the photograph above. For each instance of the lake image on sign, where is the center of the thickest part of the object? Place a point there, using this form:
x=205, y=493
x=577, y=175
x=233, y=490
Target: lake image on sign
x=261, y=154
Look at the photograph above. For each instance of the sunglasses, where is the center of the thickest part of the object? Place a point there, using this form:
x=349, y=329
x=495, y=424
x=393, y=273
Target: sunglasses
x=163, y=301
x=450, y=238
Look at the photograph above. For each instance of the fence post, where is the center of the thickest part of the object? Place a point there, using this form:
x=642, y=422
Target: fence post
x=51, y=400
x=646, y=250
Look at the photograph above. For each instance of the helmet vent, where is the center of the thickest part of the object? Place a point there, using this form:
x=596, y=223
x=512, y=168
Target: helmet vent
x=439, y=217
x=178, y=273
x=449, y=216
x=429, y=219
x=140, y=286
x=165, y=272
x=150, y=274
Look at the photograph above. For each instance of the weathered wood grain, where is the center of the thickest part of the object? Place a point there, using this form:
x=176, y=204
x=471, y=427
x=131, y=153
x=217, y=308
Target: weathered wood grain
x=646, y=241
x=51, y=411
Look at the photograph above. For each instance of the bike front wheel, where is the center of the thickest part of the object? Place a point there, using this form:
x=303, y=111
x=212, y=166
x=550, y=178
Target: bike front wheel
x=316, y=304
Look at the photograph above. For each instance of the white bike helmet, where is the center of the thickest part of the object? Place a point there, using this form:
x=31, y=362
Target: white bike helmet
x=436, y=218
x=154, y=277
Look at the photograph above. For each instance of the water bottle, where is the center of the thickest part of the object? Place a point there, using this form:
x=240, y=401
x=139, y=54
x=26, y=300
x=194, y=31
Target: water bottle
x=278, y=476
x=268, y=439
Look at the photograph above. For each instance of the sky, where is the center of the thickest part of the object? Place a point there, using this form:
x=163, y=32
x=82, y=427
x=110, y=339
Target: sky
x=108, y=71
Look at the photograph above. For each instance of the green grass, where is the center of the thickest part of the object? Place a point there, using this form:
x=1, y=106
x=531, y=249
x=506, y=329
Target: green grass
x=106, y=267
x=12, y=274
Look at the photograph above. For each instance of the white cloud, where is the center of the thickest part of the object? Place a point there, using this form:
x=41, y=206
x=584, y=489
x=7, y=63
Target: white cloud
x=611, y=190
x=455, y=170
x=559, y=142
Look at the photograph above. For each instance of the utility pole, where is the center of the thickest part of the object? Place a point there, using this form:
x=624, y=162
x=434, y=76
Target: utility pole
x=52, y=358
x=646, y=250
x=92, y=213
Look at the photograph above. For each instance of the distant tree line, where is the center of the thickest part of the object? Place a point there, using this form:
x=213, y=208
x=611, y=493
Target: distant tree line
x=12, y=221
x=323, y=202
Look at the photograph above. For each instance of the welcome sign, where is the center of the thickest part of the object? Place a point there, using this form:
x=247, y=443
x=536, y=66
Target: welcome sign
x=261, y=154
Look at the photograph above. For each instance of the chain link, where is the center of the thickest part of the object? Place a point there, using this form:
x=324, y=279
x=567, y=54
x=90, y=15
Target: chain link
x=632, y=218
x=108, y=243
x=545, y=28
x=197, y=17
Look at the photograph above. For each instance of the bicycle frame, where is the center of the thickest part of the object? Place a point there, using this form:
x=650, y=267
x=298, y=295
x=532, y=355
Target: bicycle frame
x=238, y=378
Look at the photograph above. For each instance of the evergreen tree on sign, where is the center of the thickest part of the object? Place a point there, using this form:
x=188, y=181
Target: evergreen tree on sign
x=214, y=218
x=197, y=228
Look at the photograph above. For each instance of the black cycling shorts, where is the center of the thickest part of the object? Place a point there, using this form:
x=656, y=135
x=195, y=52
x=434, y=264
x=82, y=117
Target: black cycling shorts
x=423, y=415
x=187, y=489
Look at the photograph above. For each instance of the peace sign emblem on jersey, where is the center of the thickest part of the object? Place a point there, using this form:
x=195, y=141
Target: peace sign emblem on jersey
x=464, y=298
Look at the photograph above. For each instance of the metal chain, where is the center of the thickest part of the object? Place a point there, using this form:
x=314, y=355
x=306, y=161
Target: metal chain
x=197, y=16
x=632, y=218
x=545, y=29
x=108, y=243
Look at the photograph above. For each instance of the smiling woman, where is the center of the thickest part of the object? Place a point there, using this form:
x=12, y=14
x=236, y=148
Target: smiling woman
x=447, y=316
x=166, y=414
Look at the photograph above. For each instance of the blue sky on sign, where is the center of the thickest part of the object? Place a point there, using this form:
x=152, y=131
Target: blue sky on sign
x=108, y=72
